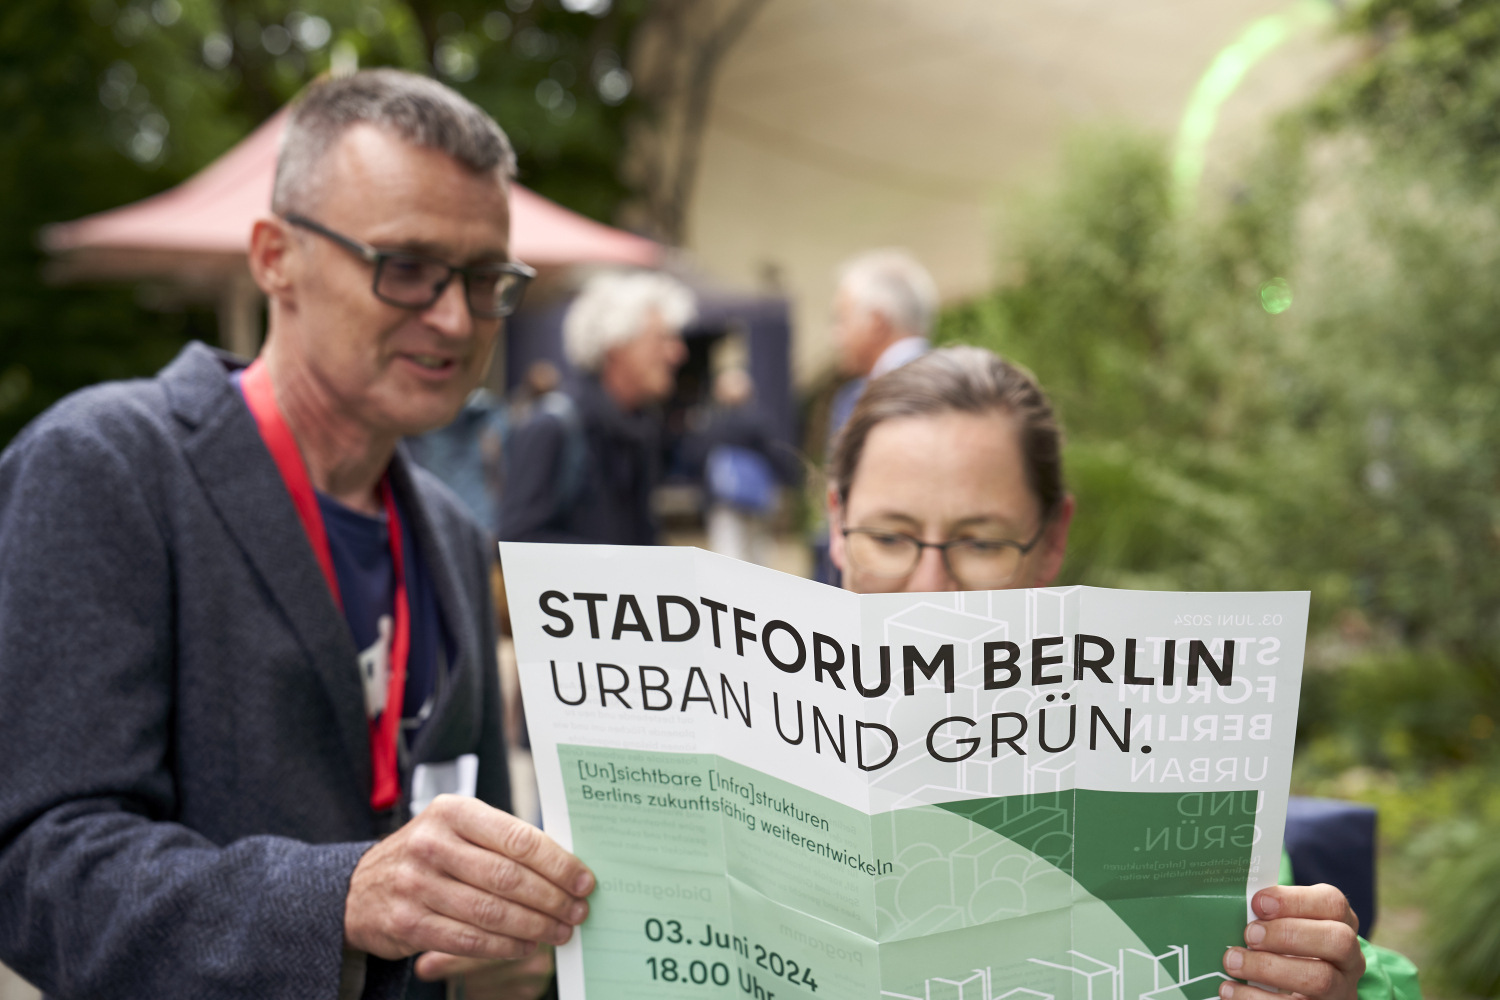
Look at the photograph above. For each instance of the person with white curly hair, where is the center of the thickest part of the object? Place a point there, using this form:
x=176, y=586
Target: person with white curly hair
x=583, y=467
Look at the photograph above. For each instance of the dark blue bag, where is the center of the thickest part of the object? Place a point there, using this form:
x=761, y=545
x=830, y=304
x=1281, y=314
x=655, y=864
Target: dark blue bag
x=741, y=478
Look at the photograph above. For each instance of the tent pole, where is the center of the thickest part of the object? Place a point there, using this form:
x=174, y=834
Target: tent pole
x=239, y=316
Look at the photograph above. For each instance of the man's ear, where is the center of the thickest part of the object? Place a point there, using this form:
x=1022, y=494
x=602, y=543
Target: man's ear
x=835, y=529
x=614, y=375
x=270, y=252
x=1055, y=543
x=884, y=332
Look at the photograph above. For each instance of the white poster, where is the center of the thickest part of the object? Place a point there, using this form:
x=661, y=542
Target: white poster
x=787, y=790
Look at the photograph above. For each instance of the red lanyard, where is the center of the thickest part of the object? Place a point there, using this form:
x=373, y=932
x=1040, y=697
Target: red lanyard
x=261, y=397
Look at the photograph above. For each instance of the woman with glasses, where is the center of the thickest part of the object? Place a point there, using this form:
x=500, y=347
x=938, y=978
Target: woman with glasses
x=948, y=476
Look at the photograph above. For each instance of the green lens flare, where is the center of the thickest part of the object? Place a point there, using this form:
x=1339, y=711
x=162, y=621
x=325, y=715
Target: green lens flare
x=1276, y=296
x=1224, y=76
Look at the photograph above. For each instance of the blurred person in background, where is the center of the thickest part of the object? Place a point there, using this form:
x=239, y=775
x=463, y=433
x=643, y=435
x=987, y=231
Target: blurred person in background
x=542, y=377
x=883, y=310
x=743, y=469
x=244, y=642
x=583, y=467
x=467, y=455
x=948, y=477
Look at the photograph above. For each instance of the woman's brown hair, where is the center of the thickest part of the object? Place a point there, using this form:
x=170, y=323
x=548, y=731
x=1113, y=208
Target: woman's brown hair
x=966, y=380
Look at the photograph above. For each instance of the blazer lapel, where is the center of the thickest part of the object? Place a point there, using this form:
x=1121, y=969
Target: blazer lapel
x=244, y=486
x=457, y=610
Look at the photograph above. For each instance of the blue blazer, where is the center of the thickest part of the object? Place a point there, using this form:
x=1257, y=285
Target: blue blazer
x=189, y=780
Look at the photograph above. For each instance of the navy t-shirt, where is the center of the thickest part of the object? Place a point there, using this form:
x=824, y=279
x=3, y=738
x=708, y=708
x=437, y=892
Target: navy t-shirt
x=361, y=550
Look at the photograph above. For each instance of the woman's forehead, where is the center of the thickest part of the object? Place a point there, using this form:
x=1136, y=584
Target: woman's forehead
x=944, y=467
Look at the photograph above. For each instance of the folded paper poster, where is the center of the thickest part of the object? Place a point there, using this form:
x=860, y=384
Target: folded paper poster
x=787, y=790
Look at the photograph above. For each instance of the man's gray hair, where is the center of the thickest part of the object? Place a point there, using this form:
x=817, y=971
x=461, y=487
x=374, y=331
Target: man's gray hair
x=419, y=110
x=892, y=283
x=613, y=308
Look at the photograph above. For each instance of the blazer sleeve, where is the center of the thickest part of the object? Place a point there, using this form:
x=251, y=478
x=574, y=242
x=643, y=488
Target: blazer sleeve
x=528, y=509
x=493, y=786
x=101, y=893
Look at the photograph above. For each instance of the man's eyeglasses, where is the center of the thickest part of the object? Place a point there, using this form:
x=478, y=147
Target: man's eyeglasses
x=976, y=563
x=414, y=281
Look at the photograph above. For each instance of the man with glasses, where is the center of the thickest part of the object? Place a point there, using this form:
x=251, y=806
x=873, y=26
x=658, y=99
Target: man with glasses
x=414, y=281
x=243, y=641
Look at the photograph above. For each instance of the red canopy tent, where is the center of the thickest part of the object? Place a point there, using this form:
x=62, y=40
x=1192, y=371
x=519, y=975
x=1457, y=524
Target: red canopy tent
x=195, y=236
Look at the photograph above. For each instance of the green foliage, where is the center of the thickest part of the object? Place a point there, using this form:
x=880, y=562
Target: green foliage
x=1432, y=90
x=555, y=80
x=1348, y=444
x=1140, y=330
x=1427, y=106
x=104, y=102
x=1464, y=919
x=1402, y=711
x=60, y=157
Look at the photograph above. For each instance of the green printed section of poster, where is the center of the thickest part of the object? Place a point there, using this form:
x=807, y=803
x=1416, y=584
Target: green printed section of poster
x=1160, y=875
x=716, y=878
x=701, y=813
x=653, y=932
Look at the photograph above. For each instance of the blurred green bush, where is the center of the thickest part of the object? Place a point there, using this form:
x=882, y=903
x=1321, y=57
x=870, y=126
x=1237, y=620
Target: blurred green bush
x=1345, y=445
x=1464, y=918
x=1298, y=387
x=1404, y=711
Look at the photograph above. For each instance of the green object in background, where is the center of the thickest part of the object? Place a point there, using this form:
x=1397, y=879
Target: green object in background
x=1276, y=296
x=1388, y=975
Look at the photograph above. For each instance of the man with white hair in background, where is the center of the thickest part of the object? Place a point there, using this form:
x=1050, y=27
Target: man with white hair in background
x=882, y=315
x=583, y=467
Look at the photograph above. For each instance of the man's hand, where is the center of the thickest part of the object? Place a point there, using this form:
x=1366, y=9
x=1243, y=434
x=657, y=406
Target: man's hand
x=523, y=979
x=1306, y=942
x=467, y=880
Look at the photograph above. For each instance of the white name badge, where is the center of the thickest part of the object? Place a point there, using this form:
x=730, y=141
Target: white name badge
x=375, y=669
x=459, y=776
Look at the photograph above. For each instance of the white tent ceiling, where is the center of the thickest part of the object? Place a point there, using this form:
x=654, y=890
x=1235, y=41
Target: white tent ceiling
x=838, y=125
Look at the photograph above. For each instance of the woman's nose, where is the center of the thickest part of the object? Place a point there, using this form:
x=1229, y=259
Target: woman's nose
x=931, y=574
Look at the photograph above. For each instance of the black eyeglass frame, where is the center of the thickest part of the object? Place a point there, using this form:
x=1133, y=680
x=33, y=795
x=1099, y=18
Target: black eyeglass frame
x=378, y=258
x=943, y=548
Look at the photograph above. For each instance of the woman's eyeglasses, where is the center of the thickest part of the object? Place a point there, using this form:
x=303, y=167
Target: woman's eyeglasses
x=976, y=563
x=414, y=281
